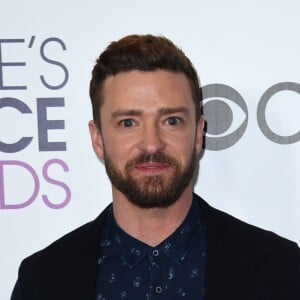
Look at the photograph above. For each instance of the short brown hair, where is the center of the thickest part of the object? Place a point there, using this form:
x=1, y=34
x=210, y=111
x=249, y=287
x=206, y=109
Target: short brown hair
x=144, y=53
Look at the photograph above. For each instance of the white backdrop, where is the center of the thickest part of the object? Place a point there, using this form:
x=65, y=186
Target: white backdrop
x=247, y=55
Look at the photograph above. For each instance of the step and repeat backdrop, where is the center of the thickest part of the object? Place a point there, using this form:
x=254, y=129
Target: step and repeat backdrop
x=247, y=54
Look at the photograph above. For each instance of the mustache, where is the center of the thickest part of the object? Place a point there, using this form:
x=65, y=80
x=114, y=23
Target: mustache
x=158, y=157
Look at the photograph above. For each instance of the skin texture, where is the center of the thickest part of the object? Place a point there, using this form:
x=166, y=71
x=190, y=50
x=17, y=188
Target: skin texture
x=146, y=113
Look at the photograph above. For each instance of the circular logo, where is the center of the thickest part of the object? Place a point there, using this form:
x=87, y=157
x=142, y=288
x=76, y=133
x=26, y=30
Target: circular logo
x=219, y=116
x=261, y=113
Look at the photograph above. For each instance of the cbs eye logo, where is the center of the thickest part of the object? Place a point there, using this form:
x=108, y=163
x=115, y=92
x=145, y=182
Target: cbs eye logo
x=220, y=121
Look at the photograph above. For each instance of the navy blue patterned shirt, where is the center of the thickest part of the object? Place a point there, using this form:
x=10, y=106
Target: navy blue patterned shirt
x=129, y=269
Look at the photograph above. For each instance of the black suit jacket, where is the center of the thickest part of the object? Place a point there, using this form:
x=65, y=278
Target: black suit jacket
x=242, y=262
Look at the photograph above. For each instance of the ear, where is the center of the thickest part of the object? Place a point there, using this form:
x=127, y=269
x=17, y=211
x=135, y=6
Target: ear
x=96, y=138
x=199, y=134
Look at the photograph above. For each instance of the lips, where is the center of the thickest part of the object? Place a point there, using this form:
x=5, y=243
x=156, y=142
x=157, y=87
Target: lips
x=152, y=167
x=151, y=164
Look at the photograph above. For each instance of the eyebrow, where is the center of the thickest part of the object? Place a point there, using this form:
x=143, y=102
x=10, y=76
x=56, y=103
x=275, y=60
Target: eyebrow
x=172, y=110
x=130, y=112
x=138, y=112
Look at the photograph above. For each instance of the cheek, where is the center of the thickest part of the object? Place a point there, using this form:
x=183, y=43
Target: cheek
x=181, y=150
x=120, y=152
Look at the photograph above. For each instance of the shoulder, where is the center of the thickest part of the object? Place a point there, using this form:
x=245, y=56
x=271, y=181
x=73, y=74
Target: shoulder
x=247, y=244
x=65, y=269
x=241, y=253
x=66, y=248
x=230, y=229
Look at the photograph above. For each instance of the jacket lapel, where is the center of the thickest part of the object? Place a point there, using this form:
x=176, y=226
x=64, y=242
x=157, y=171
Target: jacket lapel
x=232, y=257
x=82, y=285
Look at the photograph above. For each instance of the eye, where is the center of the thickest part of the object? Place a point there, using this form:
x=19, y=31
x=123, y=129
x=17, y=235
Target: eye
x=127, y=123
x=173, y=121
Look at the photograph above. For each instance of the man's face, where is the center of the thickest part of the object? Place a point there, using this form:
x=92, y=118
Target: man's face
x=149, y=138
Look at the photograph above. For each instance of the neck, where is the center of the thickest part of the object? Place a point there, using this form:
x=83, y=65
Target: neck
x=152, y=225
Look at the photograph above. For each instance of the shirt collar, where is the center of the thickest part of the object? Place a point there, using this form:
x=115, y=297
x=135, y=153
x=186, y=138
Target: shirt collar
x=114, y=240
x=177, y=245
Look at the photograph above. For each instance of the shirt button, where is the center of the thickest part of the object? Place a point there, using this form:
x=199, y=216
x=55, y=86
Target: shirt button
x=158, y=289
x=155, y=252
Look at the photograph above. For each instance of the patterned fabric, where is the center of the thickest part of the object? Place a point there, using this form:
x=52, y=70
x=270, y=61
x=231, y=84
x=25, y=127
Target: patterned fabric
x=129, y=269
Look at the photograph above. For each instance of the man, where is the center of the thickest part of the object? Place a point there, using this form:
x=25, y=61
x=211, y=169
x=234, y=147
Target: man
x=157, y=240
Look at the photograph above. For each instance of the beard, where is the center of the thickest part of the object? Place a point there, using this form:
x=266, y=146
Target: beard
x=157, y=191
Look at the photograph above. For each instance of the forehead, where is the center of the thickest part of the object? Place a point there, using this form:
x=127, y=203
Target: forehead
x=145, y=90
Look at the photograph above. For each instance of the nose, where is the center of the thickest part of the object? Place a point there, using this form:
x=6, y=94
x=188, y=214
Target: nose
x=151, y=140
